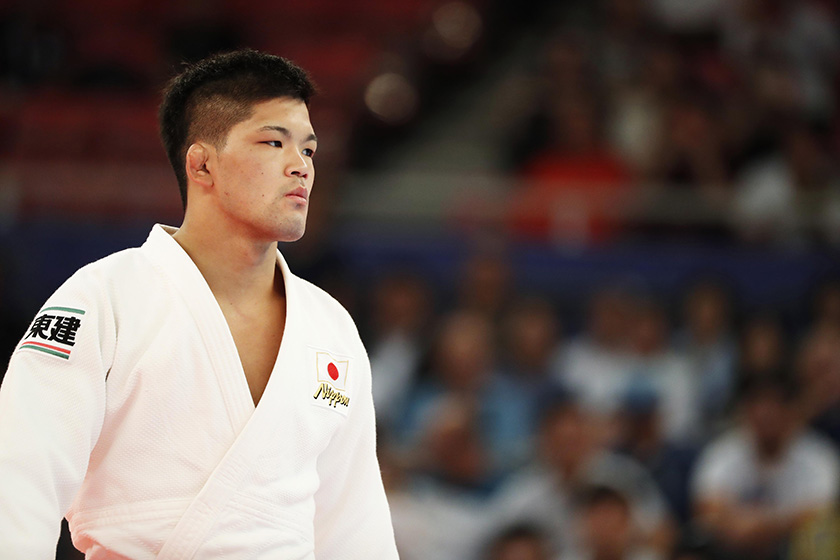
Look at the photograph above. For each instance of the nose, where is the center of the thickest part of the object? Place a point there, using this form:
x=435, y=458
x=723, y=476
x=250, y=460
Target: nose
x=298, y=167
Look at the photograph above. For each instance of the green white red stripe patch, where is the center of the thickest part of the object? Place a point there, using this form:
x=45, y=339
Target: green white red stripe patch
x=46, y=348
x=54, y=331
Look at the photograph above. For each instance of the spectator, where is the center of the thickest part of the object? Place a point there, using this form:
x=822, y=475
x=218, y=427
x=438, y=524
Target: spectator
x=757, y=483
x=464, y=367
x=641, y=438
x=707, y=340
x=763, y=350
x=401, y=313
x=530, y=337
x=802, y=38
x=575, y=184
x=448, y=501
x=593, y=365
x=665, y=370
x=606, y=527
x=485, y=284
x=818, y=370
x=772, y=194
x=573, y=457
x=826, y=305
x=520, y=542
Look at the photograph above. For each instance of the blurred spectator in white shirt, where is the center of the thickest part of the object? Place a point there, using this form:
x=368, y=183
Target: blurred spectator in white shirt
x=641, y=437
x=594, y=365
x=666, y=371
x=756, y=484
x=707, y=340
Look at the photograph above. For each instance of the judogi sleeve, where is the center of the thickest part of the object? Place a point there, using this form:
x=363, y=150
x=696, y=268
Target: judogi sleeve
x=52, y=404
x=352, y=518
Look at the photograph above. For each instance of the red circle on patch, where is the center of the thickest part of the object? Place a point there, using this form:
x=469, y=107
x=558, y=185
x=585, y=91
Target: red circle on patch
x=333, y=371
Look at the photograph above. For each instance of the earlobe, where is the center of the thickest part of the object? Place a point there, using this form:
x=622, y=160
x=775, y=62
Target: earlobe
x=196, y=162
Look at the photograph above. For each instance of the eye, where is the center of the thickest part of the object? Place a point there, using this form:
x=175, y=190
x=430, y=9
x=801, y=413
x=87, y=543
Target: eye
x=309, y=152
x=274, y=143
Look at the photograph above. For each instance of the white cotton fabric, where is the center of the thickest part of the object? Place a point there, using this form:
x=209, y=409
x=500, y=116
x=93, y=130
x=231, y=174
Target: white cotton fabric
x=174, y=430
x=806, y=476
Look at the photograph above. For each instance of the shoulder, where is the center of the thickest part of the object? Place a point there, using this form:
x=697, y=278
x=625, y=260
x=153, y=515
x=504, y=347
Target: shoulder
x=727, y=458
x=328, y=322
x=122, y=266
x=321, y=305
x=97, y=282
x=811, y=447
x=731, y=446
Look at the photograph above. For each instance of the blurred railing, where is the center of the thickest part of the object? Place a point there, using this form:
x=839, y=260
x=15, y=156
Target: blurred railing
x=427, y=202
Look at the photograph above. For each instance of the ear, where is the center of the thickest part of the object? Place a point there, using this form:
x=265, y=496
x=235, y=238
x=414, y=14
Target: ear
x=197, y=158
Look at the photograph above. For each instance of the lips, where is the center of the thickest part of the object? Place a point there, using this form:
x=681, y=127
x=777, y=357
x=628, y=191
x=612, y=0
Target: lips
x=300, y=193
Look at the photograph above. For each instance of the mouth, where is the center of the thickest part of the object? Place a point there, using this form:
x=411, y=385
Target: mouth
x=299, y=194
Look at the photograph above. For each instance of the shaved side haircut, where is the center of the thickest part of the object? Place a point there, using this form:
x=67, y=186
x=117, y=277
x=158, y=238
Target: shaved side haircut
x=211, y=96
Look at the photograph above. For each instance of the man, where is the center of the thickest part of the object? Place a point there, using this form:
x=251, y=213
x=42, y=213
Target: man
x=192, y=398
x=758, y=484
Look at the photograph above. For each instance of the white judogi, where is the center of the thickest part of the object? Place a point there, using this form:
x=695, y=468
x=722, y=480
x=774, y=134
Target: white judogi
x=126, y=408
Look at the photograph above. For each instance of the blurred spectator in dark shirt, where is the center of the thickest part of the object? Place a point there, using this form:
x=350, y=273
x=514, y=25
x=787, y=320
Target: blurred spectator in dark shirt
x=763, y=347
x=446, y=514
x=402, y=308
x=756, y=484
x=826, y=304
x=485, y=283
x=818, y=370
x=642, y=438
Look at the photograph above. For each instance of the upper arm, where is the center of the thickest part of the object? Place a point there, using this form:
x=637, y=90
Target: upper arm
x=52, y=404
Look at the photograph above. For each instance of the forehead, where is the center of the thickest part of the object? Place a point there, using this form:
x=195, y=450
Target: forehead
x=291, y=114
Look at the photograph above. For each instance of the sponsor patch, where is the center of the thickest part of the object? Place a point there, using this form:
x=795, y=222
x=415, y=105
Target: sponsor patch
x=330, y=387
x=54, y=331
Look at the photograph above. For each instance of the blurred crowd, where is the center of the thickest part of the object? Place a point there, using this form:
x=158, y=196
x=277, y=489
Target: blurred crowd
x=655, y=430
x=709, y=118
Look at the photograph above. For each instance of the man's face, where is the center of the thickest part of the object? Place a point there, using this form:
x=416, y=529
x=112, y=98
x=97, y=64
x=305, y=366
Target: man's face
x=768, y=417
x=264, y=173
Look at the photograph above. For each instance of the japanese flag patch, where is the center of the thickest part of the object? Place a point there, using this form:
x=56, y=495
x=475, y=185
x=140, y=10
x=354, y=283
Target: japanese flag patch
x=330, y=386
x=54, y=331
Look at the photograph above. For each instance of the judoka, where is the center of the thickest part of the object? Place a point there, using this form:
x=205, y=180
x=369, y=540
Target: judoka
x=193, y=398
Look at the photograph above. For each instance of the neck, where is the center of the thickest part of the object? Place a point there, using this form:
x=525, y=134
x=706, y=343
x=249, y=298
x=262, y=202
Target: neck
x=237, y=269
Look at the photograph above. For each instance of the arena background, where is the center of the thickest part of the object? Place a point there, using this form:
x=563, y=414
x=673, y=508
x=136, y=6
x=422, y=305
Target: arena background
x=535, y=211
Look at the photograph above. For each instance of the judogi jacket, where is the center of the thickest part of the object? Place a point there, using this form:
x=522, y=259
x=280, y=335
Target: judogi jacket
x=125, y=408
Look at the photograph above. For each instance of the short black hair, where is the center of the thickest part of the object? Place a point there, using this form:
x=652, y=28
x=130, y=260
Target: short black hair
x=600, y=494
x=517, y=532
x=212, y=95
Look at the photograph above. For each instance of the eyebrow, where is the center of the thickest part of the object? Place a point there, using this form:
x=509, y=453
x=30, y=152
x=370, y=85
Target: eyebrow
x=285, y=132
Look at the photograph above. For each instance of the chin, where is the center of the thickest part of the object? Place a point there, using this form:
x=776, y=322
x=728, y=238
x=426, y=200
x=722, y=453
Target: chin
x=290, y=235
